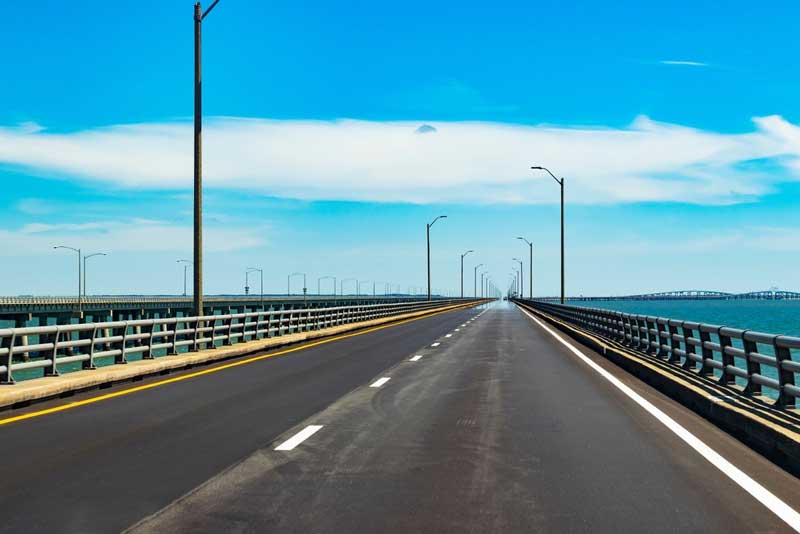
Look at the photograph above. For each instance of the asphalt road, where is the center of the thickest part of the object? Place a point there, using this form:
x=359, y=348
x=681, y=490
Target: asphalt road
x=497, y=428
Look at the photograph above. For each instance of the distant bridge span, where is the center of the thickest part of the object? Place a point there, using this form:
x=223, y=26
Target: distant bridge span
x=695, y=294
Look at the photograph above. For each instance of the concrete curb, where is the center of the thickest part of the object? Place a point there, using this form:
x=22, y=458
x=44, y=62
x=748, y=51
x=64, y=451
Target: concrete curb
x=772, y=432
x=40, y=389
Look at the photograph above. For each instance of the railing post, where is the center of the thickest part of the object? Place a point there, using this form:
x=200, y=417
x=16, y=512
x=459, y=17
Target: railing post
x=89, y=364
x=708, y=354
x=52, y=369
x=121, y=358
x=727, y=360
x=674, y=343
x=753, y=367
x=785, y=376
x=151, y=329
x=7, y=376
x=661, y=336
x=688, y=332
x=196, y=344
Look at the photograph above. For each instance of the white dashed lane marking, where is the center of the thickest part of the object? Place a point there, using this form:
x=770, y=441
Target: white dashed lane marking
x=435, y=344
x=415, y=358
x=298, y=438
x=379, y=382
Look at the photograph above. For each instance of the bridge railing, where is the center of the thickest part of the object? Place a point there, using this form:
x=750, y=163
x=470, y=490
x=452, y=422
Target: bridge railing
x=71, y=347
x=745, y=360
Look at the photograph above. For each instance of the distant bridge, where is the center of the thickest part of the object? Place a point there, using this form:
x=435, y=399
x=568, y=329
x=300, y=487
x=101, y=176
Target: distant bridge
x=695, y=294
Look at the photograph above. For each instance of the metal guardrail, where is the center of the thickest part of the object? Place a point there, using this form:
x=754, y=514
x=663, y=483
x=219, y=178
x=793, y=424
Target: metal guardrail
x=722, y=353
x=88, y=343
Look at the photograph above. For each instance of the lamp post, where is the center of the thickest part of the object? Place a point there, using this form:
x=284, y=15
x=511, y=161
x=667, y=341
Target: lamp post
x=185, y=263
x=462, y=271
x=288, y=284
x=521, y=285
x=80, y=293
x=261, y=273
x=84, y=268
x=199, y=15
x=560, y=183
x=321, y=278
x=428, y=236
x=530, y=280
x=475, y=280
x=482, y=274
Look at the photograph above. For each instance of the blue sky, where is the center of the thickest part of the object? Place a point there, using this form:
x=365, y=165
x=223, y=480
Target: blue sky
x=674, y=124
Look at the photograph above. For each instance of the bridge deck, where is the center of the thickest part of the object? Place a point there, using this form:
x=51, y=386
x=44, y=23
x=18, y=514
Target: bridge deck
x=497, y=428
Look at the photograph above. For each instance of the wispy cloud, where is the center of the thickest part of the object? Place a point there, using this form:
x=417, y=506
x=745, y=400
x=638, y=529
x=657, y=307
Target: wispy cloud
x=469, y=162
x=136, y=235
x=683, y=62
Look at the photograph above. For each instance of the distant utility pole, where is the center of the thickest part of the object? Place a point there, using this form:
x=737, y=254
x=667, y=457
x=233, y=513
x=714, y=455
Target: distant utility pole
x=185, y=263
x=199, y=15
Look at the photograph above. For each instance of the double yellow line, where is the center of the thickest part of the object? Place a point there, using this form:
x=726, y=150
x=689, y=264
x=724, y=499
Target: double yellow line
x=217, y=369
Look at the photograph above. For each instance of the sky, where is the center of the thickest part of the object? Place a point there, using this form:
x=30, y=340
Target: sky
x=334, y=131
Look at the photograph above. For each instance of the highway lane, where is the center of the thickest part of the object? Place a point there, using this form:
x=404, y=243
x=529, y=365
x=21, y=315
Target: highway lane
x=496, y=428
x=104, y=466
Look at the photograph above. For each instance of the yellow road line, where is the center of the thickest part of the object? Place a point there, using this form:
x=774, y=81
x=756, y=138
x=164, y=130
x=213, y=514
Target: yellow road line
x=144, y=387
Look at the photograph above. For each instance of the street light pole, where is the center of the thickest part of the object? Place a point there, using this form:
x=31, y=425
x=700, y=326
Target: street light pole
x=521, y=285
x=530, y=281
x=475, y=281
x=84, y=268
x=560, y=183
x=428, y=237
x=80, y=298
x=199, y=15
x=462, y=271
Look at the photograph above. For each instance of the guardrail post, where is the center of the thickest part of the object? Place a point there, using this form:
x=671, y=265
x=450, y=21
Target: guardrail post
x=674, y=343
x=52, y=369
x=7, y=376
x=121, y=358
x=688, y=332
x=725, y=341
x=89, y=364
x=785, y=376
x=662, y=338
x=753, y=367
x=708, y=354
x=228, y=324
x=148, y=352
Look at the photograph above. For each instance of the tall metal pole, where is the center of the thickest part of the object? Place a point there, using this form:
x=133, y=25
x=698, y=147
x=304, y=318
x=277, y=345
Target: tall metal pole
x=428, y=240
x=462, y=271
x=561, y=184
x=475, y=281
x=198, y=158
x=562, y=241
x=198, y=165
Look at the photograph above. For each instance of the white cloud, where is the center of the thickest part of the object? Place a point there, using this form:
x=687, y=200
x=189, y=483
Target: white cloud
x=133, y=235
x=684, y=62
x=471, y=162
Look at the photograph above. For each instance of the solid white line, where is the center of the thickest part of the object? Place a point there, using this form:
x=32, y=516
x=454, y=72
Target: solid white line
x=449, y=335
x=435, y=344
x=415, y=358
x=759, y=492
x=379, y=382
x=298, y=438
